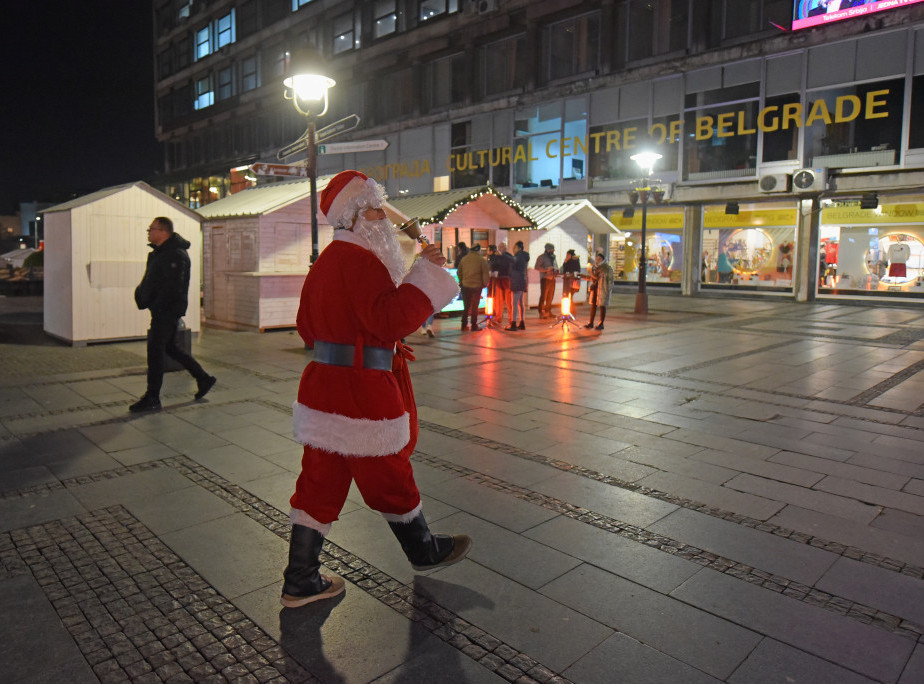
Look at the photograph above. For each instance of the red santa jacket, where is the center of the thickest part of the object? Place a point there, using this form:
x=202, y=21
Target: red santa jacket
x=349, y=298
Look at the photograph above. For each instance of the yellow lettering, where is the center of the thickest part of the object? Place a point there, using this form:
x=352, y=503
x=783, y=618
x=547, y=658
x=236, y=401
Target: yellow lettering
x=481, y=154
x=762, y=119
x=839, y=115
x=530, y=148
x=491, y=160
x=449, y=166
x=548, y=147
x=676, y=129
x=742, y=127
x=704, y=129
x=872, y=102
x=792, y=112
x=520, y=154
x=566, y=147
x=596, y=137
x=658, y=131
x=612, y=140
x=505, y=155
x=819, y=111
x=628, y=137
x=582, y=143
x=724, y=123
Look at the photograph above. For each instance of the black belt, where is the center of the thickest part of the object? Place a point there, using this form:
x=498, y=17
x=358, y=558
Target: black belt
x=333, y=354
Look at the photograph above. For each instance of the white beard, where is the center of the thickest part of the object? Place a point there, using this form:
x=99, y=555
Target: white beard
x=383, y=241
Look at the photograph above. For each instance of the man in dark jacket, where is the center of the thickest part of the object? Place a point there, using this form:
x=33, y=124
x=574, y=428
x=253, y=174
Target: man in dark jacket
x=164, y=290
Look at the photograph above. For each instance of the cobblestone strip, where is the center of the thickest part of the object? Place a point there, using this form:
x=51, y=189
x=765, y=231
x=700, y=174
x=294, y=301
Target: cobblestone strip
x=475, y=643
x=868, y=395
x=136, y=611
x=801, y=592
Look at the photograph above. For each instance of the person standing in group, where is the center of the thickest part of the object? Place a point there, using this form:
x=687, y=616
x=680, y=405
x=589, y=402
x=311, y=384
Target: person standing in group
x=547, y=266
x=164, y=290
x=460, y=251
x=473, y=277
x=599, y=292
x=518, y=286
x=571, y=276
x=355, y=414
x=500, y=262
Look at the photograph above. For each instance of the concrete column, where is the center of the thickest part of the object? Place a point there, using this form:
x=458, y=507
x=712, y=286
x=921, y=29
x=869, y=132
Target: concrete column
x=692, y=248
x=805, y=268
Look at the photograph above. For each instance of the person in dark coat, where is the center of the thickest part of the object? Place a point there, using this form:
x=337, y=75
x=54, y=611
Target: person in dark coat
x=164, y=290
x=518, y=286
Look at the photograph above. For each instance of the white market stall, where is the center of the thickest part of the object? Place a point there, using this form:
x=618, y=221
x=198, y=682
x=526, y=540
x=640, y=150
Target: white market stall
x=95, y=252
x=257, y=246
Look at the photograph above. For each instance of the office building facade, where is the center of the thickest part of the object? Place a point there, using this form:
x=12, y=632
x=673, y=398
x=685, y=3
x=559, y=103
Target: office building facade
x=792, y=159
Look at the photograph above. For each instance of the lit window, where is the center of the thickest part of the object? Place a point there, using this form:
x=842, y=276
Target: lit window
x=385, y=18
x=344, y=33
x=225, y=30
x=249, y=73
x=205, y=96
x=296, y=4
x=203, y=44
x=434, y=8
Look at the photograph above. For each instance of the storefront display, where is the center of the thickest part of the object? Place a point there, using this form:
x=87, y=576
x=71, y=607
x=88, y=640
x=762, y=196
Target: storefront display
x=664, y=246
x=752, y=249
x=872, y=251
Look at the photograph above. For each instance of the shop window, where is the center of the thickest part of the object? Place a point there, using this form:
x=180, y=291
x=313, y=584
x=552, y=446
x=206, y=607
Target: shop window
x=753, y=249
x=573, y=47
x=430, y=9
x=205, y=96
x=858, y=125
x=505, y=65
x=721, y=142
x=249, y=73
x=447, y=80
x=384, y=19
x=864, y=252
x=345, y=33
x=916, y=121
x=664, y=246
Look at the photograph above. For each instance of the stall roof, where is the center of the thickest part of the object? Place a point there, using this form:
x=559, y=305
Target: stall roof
x=114, y=190
x=550, y=214
x=466, y=207
x=265, y=199
x=17, y=256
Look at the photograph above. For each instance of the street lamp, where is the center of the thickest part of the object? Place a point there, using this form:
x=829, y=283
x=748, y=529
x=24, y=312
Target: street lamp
x=307, y=86
x=646, y=162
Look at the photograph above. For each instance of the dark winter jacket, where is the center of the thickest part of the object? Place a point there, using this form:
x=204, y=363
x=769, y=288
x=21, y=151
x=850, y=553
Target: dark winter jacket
x=518, y=273
x=165, y=286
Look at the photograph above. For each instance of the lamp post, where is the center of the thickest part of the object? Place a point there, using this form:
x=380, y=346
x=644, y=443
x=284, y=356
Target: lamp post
x=646, y=162
x=306, y=85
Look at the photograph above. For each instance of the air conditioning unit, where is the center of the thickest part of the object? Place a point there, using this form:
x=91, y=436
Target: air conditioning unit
x=487, y=6
x=774, y=182
x=809, y=180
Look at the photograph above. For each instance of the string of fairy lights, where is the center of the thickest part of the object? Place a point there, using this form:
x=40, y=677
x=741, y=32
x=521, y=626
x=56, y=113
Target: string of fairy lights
x=475, y=195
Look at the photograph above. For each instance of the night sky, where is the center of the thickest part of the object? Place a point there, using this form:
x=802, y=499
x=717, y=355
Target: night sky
x=76, y=99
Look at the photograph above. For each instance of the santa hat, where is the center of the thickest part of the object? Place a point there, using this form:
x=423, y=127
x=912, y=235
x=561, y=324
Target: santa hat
x=346, y=194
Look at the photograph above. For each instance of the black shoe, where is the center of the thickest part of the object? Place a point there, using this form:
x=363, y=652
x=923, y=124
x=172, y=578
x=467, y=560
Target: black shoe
x=430, y=333
x=512, y=326
x=304, y=583
x=146, y=403
x=464, y=328
x=600, y=327
x=589, y=326
x=204, y=385
x=426, y=550
x=521, y=326
x=475, y=328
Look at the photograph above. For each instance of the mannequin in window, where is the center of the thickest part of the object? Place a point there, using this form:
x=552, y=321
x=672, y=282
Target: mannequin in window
x=784, y=261
x=831, y=249
x=899, y=253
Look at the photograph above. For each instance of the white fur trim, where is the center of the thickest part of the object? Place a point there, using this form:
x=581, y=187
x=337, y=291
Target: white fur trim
x=350, y=436
x=298, y=517
x=355, y=195
x=434, y=281
x=405, y=517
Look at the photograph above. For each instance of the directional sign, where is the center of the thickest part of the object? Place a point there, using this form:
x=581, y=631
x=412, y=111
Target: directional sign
x=262, y=169
x=347, y=123
x=353, y=146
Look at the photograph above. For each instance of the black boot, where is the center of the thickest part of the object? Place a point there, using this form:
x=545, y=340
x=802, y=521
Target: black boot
x=425, y=550
x=593, y=315
x=602, y=317
x=303, y=581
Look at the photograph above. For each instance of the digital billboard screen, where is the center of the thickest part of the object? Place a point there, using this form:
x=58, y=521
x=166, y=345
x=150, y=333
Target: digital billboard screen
x=808, y=13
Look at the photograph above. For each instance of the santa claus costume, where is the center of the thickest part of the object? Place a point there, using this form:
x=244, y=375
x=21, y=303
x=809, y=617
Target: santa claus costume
x=355, y=414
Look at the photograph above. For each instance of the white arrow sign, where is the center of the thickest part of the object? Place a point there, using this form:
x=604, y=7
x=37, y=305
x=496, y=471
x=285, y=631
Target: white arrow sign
x=353, y=146
x=262, y=169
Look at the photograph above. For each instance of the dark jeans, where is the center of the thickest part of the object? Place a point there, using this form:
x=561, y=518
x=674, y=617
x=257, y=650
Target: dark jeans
x=470, y=298
x=546, y=293
x=162, y=343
